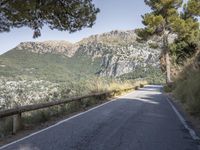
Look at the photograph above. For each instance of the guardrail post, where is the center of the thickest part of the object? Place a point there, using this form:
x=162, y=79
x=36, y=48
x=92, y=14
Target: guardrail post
x=81, y=104
x=17, y=123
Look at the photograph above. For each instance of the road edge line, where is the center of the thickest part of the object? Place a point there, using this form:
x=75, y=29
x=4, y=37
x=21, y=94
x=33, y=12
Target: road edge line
x=183, y=121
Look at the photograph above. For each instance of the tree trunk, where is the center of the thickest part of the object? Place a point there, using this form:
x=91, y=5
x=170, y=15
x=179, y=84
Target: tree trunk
x=168, y=71
x=167, y=58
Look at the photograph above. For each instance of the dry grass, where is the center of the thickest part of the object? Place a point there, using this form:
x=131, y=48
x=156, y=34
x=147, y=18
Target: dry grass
x=98, y=85
x=187, y=87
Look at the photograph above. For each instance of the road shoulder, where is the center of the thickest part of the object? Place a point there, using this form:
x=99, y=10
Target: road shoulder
x=192, y=121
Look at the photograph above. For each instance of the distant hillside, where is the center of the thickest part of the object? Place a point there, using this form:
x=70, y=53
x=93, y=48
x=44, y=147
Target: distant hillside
x=35, y=72
x=119, y=52
x=110, y=54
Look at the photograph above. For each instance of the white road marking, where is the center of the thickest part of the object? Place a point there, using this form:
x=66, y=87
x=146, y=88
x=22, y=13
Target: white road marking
x=183, y=121
x=60, y=122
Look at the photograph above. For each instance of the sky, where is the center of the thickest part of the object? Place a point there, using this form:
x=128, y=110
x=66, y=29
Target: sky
x=114, y=15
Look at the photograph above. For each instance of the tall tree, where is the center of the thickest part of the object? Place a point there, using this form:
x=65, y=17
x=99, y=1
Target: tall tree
x=187, y=29
x=165, y=19
x=70, y=15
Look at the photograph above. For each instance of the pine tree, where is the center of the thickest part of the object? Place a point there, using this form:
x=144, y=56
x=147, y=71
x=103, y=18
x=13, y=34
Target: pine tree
x=165, y=19
x=187, y=29
x=70, y=15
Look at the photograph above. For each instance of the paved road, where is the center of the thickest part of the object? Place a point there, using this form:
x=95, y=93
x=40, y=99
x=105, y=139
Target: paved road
x=142, y=120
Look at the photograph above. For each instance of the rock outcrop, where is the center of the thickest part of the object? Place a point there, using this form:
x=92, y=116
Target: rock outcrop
x=55, y=47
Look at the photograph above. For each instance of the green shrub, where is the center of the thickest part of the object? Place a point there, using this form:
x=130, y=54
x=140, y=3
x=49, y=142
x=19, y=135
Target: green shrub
x=153, y=45
x=137, y=87
x=141, y=85
x=153, y=75
x=167, y=89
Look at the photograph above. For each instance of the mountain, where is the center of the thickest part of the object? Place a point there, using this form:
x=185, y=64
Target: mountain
x=120, y=53
x=111, y=54
x=54, y=47
x=35, y=72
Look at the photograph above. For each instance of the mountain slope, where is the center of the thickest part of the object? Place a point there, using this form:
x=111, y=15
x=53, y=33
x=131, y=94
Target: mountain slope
x=46, y=66
x=110, y=54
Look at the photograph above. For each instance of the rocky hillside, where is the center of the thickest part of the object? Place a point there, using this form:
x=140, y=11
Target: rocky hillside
x=55, y=47
x=117, y=52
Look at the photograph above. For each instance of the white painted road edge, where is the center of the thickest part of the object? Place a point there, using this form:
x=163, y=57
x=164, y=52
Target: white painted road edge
x=60, y=122
x=183, y=121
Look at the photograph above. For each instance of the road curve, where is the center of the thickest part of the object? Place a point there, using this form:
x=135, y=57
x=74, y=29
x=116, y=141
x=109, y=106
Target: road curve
x=141, y=120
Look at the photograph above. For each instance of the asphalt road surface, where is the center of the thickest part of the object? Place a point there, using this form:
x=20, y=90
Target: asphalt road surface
x=141, y=120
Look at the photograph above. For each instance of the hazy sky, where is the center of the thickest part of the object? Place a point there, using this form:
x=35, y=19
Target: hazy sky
x=114, y=15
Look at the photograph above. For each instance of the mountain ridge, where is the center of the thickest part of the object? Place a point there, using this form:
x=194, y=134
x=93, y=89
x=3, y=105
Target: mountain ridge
x=68, y=48
x=117, y=52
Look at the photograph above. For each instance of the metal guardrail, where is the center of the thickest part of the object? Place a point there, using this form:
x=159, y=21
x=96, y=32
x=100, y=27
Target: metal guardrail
x=26, y=108
x=16, y=112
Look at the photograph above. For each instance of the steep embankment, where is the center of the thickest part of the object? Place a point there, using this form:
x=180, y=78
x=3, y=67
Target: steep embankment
x=187, y=87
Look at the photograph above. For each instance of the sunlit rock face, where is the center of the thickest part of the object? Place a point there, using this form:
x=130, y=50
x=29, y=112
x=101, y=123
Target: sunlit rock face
x=119, y=51
x=55, y=47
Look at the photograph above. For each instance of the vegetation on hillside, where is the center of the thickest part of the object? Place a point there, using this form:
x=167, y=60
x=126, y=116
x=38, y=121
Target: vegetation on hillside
x=50, y=67
x=14, y=93
x=152, y=75
x=187, y=85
